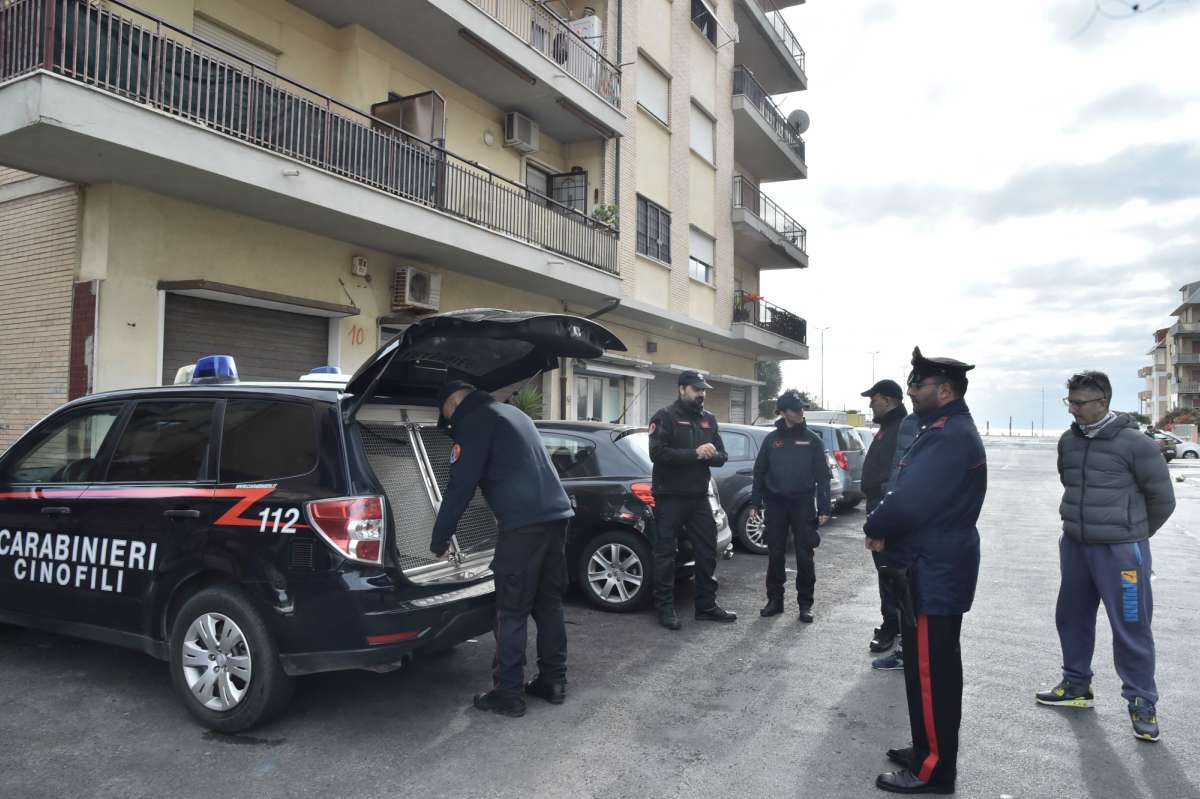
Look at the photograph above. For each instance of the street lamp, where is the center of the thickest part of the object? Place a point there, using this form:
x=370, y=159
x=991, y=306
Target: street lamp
x=822, y=331
x=873, y=353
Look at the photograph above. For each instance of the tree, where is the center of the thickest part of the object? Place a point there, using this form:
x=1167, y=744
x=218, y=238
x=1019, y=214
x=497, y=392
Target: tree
x=1179, y=416
x=770, y=373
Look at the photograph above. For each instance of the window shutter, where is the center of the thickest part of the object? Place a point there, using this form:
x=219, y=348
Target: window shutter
x=239, y=45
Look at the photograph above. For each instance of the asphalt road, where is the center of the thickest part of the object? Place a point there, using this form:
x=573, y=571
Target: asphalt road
x=765, y=707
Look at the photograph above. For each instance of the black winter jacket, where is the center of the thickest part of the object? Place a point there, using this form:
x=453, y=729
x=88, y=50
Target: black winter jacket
x=791, y=464
x=877, y=467
x=675, y=432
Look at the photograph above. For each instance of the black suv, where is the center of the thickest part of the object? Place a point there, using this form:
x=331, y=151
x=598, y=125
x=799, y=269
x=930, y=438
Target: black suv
x=605, y=469
x=249, y=532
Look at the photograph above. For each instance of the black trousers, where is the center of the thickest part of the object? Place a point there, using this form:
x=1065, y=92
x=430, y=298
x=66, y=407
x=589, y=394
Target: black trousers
x=934, y=683
x=795, y=519
x=672, y=516
x=889, y=608
x=530, y=567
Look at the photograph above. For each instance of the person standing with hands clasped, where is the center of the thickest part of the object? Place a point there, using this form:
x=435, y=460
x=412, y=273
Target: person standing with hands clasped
x=684, y=443
x=931, y=509
x=791, y=482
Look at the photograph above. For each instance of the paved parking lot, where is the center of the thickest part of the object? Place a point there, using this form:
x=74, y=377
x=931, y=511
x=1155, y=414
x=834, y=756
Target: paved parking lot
x=766, y=707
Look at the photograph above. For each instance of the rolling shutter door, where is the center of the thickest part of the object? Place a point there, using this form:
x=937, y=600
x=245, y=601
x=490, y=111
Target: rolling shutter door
x=267, y=344
x=228, y=40
x=663, y=390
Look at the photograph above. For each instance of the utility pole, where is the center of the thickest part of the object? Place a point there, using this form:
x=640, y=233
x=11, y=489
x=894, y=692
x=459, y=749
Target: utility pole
x=1043, y=431
x=823, y=329
x=873, y=354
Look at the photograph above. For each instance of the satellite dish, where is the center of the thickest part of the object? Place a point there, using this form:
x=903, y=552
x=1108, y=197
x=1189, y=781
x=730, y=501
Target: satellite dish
x=799, y=119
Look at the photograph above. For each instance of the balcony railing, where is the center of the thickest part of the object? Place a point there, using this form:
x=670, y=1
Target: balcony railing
x=1188, y=328
x=744, y=84
x=226, y=94
x=747, y=195
x=790, y=43
x=1187, y=388
x=543, y=30
x=1144, y=395
x=1144, y=371
x=757, y=311
x=1186, y=358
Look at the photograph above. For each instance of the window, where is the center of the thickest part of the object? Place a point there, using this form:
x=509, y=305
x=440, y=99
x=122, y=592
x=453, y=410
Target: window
x=849, y=440
x=702, y=134
x=63, y=450
x=572, y=457
x=247, y=51
x=700, y=257
x=164, y=441
x=267, y=440
x=653, y=230
x=737, y=405
x=654, y=91
x=636, y=445
x=568, y=189
x=738, y=446
x=705, y=20
x=538, y=182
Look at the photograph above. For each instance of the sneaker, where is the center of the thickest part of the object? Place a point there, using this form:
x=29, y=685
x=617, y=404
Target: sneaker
x=889, y=662
x=1067, y=695
x=883, y=639
x=1145, y=720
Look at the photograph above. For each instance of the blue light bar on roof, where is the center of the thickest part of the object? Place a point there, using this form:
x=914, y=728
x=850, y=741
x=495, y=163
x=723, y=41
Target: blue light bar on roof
x=215, y=369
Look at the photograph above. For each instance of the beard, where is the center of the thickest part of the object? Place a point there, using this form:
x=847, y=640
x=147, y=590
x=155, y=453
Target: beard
x=696, y=404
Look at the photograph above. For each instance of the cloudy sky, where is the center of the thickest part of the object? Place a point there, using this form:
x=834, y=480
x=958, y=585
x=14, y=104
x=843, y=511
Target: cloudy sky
x=1005, y=183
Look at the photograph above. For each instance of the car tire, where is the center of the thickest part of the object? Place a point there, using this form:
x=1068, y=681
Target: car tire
x=615, y=571
x=753, y=541
x=1191, y=454
x=219, y=626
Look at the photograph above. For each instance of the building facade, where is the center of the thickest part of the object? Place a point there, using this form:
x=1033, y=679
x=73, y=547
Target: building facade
x=1173, y=376
x=294, y=182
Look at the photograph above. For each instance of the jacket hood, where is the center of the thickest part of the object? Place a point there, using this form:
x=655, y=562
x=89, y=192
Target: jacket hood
x=797, y=430
x=1110, y=430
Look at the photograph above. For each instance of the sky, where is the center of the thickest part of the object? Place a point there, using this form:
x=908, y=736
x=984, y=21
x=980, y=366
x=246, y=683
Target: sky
x=1012, y=184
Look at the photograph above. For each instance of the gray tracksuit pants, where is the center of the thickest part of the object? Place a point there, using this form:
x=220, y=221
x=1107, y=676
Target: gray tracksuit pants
x=1118, y=575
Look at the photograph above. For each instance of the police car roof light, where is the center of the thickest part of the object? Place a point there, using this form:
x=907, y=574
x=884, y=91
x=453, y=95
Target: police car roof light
x=215, y=369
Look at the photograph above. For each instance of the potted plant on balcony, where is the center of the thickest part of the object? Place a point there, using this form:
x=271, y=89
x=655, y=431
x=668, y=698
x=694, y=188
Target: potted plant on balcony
x=606, y=214
x=741, y=306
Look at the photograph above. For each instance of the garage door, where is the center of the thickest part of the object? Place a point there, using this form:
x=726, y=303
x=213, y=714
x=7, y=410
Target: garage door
x=663, y=390
x=267, y=344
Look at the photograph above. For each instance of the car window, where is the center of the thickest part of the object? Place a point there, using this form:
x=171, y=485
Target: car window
x=266, y=440
x=849, y=440
x=636, y=444
x=572, y=457
x=737, y=446
x=164, y=441
x=65, y=449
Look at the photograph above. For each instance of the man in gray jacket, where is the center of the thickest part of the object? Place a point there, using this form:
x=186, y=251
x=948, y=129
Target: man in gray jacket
x=1116, y=493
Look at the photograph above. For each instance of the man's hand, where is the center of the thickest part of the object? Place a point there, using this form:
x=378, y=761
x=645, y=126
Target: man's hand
x=443, y=555
x=755, y=514
x=875, y=544
x=706, y=452
x=823, y=520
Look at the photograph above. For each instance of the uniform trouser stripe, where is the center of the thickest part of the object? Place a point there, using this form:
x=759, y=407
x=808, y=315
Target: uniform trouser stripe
x=931, y=760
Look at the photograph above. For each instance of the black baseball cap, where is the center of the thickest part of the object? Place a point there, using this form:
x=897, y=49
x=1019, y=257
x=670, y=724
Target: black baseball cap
x=449, y=387
x=888, y=388
x=690, y=377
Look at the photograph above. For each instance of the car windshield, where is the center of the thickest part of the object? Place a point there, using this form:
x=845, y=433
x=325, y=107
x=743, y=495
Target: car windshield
x=636, y=445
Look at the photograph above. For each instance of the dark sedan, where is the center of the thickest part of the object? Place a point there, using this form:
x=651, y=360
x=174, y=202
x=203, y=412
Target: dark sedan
x=605, y=469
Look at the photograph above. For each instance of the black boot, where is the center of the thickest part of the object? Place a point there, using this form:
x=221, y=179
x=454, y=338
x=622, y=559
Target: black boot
x=504, y=705
x=716, y=613
x=553, y=692
x=806, y=613
x=668, y=619
x=773, y=607
x=884, y=638
x=904, y=781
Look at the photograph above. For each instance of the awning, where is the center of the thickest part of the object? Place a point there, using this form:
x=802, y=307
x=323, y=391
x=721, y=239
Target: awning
x=736, y=381
x=240, y=295
x=601, y=368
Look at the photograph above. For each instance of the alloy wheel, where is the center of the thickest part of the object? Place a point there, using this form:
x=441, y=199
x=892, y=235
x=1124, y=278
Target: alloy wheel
x=216, y=662
x=615, y=573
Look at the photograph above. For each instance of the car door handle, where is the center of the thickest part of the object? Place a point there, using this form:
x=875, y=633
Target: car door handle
x=188, y=513
x=745, y=471
x=56, y=511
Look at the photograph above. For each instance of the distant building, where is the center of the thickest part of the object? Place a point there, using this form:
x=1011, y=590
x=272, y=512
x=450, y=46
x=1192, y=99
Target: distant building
x=1173, y=376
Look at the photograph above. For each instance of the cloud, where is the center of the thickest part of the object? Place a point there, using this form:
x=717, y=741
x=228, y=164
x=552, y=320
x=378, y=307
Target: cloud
x=1156, y=173
x=1128, y=103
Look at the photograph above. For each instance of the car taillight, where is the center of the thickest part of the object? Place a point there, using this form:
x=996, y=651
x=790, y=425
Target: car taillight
x=644, y=492
x=842, y=461
x=353, y=526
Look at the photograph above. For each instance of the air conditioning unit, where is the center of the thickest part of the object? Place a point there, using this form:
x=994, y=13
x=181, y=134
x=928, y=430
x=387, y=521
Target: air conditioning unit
x=416, y=288
x=520, y=132
x=590, y=29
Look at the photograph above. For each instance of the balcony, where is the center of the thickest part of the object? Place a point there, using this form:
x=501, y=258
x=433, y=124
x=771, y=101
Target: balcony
x=763, y=140
x=1145, y=395
x=1187, y=388
x=1145, y=371
x=768, y=48
x=517, y=54
x=119, y=101
x=1183, y=358
x=780, y=333
x=1187, y=328
x=763, y=233
x=788, y=3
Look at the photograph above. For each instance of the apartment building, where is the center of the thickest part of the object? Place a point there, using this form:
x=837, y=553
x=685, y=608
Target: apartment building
x=292, y=182
x=1154, y=400
x=1173, y=376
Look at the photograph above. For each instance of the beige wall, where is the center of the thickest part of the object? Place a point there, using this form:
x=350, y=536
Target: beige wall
x=654, y=21
x=702, y=194
x=653, y=282
x=702, y=302
x=653, y=160
x=703, y=68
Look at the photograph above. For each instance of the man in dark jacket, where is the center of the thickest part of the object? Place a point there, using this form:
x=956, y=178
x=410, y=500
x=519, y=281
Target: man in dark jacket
x=684, y=443
x=497, y=449
x=791, y=482
x=887, y=405
x=932, y=508
x=1116, y=493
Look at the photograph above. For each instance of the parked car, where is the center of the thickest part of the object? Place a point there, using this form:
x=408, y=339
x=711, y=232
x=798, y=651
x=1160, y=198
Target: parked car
x=251, y=532
x=735, y=481
x=866, y=435
x=848, y=451
x=605, y=469
x=1166, y=443
x=1183, y=448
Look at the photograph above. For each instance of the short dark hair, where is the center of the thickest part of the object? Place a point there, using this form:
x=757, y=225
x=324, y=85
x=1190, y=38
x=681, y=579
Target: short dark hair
x=1091, y=379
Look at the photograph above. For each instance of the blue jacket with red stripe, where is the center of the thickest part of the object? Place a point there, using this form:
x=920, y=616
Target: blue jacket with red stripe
x=932, y=507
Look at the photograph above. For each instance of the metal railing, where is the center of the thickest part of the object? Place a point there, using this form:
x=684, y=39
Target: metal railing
x=1144, y=395
x=136, y=61
x=1186, y=357
x=786, y=37
x=1187, y=328
x=544, y=31
x=789, y=135
x=1145, y=371
x=755, y=310
x=747, y=195
x=1187, y=388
